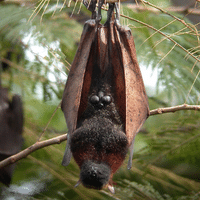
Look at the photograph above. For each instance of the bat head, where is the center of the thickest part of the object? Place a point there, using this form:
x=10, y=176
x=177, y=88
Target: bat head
x=94, y=175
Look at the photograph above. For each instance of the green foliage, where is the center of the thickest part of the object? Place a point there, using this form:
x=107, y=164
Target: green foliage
x=177, y=69
x=166, y=163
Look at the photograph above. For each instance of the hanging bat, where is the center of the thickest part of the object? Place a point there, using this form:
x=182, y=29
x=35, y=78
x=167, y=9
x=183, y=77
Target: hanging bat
x=11, y=123
x=104, y=101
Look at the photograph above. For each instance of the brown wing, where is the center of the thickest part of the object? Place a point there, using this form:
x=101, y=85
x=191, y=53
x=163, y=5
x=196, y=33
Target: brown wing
x=130, y=94
x=137, y=109
x=74, y=99
x=73, y=89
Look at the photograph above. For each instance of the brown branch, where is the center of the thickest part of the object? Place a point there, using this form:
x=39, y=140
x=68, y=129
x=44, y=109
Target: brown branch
x=180, y=9
x=57, y=140
x=184, y=10
x=38, y=145
x=163, y=34
x=174, y=109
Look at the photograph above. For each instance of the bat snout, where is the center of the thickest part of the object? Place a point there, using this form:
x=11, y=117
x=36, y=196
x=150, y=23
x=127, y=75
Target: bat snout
x=94, y=175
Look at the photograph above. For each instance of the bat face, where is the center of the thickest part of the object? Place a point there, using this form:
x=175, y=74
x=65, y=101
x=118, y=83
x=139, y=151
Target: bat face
x=104, y=102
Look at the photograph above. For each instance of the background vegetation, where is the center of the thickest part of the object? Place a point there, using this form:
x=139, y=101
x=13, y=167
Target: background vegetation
x=38, y=41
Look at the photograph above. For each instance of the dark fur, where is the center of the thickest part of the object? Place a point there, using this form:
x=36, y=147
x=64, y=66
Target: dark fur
x=102, y=129
x=11, y=124
x=98, y=137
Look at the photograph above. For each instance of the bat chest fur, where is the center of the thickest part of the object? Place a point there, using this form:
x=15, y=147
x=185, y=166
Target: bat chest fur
x=100, y=137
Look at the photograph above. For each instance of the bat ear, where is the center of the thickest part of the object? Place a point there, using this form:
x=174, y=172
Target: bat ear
x=68, y=153
x=131, y=148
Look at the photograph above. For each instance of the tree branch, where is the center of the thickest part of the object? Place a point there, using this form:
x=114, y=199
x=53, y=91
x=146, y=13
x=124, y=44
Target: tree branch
x=174, y=109
x=57, y=140
x=180, y=9
x=38, y=145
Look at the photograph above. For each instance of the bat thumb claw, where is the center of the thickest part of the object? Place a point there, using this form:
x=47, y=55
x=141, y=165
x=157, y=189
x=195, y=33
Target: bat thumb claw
x=111, y=189
x=77, y=184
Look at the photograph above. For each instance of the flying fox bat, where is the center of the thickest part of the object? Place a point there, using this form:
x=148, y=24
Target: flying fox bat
x=11, y=123
x=104, y=102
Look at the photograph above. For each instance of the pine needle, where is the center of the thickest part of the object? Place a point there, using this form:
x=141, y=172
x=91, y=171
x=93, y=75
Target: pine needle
x=192, y=86
x=35, y=12
x=166, y=55
x=55, y=8
x=63, y=4
x=44, y=10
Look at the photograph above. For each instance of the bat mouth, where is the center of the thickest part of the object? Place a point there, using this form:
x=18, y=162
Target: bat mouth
x=95, y=175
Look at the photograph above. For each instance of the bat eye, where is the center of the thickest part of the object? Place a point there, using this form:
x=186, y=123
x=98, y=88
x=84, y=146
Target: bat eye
x=94, y=99
x=106, y=99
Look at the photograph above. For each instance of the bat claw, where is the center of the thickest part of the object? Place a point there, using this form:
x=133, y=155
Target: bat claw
x=99, y=16
x=91, y=6
x=111, y=189
x=77, y=184
x=131, y=148
x=117, y=11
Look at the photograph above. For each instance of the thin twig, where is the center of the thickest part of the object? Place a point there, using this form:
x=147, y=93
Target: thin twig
x=163, y=34
x=180, y=9
x=38, y=145
x=174, y=109
x=173, y=16
x=160, y=32
x=49, y=121
x=57, y=140
x=192, y=86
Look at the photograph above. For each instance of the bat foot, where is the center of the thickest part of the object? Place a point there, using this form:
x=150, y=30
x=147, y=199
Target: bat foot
x=99, y=16
x=110, y=13
x=91, y=6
